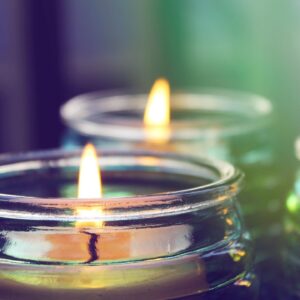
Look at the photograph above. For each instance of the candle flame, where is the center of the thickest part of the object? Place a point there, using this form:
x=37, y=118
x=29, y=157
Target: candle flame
x=157, y=113
x=89, y=183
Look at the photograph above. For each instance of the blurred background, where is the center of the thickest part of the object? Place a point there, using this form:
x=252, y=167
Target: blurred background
x=53, y=50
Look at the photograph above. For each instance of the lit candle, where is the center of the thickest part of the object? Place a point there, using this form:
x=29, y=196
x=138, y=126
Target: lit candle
x=161, y=246
x=214, y=122
x=95, y=241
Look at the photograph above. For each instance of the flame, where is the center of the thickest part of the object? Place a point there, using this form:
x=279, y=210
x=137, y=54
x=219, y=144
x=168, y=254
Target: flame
x=89, y=183
x=157, y=113
x=89, y=186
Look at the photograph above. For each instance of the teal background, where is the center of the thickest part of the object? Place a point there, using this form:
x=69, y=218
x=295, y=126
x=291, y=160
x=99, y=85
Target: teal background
x=53, y=50
x=246, y=45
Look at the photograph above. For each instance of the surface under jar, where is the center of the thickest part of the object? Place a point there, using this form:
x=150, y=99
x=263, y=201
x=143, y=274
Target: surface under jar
x=167, y=228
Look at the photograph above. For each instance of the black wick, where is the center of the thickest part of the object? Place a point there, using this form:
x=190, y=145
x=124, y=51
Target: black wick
x=92, y=246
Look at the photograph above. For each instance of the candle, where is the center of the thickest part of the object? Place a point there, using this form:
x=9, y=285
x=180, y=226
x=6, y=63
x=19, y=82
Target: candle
x=207, y=122
x=290, y=249
x=183, y=239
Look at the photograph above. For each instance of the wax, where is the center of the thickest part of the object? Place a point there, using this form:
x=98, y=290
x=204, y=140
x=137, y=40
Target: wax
x=83, y=245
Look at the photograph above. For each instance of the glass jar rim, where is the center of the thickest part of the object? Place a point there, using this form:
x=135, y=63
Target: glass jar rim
x=297, y=147
x=254, y=111
x=155, y=205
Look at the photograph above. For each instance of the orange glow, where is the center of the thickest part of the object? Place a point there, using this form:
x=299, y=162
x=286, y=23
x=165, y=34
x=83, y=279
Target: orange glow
x=89, y=183
x=157, y=113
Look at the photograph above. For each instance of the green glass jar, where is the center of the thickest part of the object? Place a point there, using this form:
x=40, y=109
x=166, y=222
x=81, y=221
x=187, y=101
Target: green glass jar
x=291, y=255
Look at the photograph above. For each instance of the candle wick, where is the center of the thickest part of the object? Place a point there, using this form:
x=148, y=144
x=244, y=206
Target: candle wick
x=92, y=247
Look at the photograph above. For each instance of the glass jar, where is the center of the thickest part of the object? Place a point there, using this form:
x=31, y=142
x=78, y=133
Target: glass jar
x=228, y=125
x=168, y=227
x=291, y=255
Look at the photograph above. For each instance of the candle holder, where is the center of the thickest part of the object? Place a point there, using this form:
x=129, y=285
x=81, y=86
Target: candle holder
x=228, y=125
x=291, y=256
x=168, y=227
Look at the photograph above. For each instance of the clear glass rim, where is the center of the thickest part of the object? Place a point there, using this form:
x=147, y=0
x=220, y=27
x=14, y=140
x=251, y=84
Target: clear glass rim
x=297, y=147
x=156, y=205
x=255, y=110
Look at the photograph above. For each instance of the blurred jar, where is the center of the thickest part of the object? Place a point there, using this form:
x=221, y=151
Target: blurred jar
x=228, y=125
x=291, y=254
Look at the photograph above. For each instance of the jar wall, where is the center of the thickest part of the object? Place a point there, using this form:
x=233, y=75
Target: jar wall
x=197, y=244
